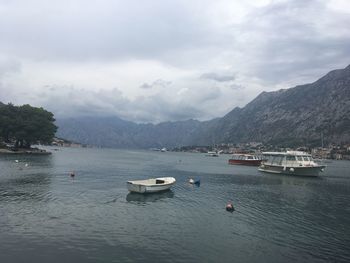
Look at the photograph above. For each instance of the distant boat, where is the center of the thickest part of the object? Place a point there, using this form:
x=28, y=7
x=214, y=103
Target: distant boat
x=212, y=154
x=152, y=185
x=155, y=149
x=245, y=159
x=163, y=150
x=291, y=163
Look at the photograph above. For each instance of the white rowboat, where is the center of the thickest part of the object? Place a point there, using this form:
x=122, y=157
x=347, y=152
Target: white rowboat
x=152, y=185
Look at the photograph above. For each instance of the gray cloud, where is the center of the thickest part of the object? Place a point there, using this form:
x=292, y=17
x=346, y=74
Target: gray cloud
x=293, y=42
x=155, y=108
x=157, y=83
x=217, y=77
x=8, y=66
x=237, y=87
x=146, y=86
x=68, y=55
x=103, y=30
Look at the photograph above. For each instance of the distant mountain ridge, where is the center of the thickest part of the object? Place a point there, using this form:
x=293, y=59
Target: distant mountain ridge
x=294, y=116
x=115, y=132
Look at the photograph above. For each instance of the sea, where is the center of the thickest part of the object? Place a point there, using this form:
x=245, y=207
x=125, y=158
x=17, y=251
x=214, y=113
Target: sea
x=48, y=216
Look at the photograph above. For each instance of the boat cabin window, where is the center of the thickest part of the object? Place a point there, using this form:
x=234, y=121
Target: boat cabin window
x=300, y=158
x=306, y=158
x=290, y=158
x=250, y=157
x=278, y=159
x=160, y=181
x=270, y=158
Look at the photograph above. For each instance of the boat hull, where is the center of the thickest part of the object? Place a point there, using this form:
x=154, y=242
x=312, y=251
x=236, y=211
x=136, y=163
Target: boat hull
x=298, y=171
x=143, y=186
x=245, y=162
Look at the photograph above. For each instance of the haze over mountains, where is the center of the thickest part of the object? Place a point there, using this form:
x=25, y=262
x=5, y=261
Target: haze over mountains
x=295, y=116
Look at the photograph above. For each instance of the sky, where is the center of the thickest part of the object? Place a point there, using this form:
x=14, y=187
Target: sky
x=162, y=60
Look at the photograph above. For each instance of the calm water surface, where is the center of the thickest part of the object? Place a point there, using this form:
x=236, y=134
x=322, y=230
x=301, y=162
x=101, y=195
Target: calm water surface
x=45, y=216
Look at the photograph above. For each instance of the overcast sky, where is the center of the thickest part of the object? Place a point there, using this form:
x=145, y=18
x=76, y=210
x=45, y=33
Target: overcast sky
x=162, y=60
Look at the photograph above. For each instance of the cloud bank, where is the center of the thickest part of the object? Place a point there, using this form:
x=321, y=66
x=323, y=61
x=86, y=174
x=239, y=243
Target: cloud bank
x=153, y=60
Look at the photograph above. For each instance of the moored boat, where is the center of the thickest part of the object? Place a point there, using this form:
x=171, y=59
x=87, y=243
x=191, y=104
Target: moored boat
x=291, y=163
x=212, y=154
x=245, y=159
x=151, y=185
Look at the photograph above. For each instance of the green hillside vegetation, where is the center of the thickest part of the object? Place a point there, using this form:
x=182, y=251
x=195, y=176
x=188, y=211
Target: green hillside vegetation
x=25, y=125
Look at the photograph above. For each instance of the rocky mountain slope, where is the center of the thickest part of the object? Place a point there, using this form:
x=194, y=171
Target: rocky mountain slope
x=295, y=116
x=298, y=115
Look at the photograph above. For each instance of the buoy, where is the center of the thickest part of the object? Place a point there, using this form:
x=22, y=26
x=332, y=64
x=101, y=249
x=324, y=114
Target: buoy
x=229, y=207
x=191, y=181
x=16, y=161
x=197, y=182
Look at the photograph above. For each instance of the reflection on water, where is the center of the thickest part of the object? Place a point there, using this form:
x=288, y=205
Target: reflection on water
x=149, y=197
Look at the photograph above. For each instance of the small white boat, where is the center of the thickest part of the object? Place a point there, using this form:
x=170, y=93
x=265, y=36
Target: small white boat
x=151, y=185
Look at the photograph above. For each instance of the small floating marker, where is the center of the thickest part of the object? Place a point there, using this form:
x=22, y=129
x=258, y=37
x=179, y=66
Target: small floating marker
x=196, y=182
x=229, y=207
x=26, y=165
x=16, y=161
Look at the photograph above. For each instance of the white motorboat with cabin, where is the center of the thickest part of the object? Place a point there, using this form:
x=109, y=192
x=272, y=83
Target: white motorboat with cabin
x=212, y=154
x=291, y=163
x=151, y=185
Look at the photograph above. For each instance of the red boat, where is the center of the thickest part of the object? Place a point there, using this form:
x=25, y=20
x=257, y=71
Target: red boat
x=245, y=159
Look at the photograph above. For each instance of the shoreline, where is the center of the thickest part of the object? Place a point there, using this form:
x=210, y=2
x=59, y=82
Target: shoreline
x=31, y=151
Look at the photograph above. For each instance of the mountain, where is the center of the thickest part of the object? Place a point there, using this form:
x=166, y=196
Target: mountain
x=115, y=132
x=295, y=116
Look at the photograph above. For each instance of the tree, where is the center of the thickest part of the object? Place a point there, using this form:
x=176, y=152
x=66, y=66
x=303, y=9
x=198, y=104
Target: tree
x=25, y=125
x=8, y=115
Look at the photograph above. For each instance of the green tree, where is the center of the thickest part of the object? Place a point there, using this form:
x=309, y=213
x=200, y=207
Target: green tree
x=8, y=115
x=26, y=125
